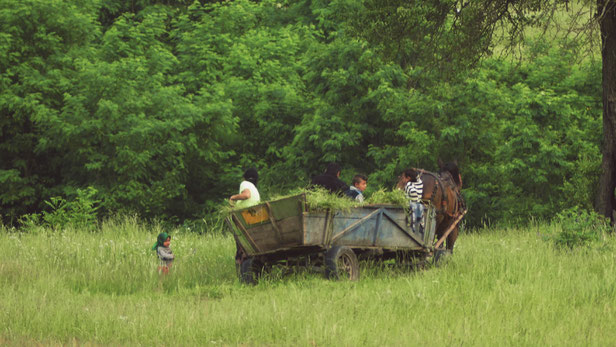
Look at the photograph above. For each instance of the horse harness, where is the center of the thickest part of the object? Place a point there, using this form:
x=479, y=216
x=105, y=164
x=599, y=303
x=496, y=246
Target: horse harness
x=440, y=186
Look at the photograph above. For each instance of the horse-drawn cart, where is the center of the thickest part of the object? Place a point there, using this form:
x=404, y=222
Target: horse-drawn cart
x=286, y=231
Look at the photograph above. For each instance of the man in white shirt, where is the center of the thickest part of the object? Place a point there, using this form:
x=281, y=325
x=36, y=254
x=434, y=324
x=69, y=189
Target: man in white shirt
x=249, y=195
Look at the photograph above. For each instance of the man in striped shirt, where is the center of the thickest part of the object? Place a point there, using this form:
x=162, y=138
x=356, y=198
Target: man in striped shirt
x=414, y=192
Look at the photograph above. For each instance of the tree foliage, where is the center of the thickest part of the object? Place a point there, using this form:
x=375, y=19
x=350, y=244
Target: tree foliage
x=159, y=106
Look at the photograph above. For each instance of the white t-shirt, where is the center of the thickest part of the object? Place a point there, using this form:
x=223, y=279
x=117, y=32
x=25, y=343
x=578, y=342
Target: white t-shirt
x=255, y=198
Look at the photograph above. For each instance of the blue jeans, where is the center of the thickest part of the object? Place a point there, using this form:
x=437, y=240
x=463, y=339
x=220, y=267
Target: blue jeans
x=417, y=214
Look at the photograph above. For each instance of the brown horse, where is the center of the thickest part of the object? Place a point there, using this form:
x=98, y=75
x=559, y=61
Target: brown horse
x=442, y=190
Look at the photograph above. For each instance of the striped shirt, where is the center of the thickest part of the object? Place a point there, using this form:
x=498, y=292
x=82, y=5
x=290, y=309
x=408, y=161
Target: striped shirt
x=414, y=190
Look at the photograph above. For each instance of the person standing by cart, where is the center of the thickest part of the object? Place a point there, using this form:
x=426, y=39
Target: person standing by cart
x=248, y=196
x=414, y=192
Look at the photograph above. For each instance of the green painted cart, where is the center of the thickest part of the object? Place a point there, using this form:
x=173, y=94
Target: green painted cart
x=286, y=231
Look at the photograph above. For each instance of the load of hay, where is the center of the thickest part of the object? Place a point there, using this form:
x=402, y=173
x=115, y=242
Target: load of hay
x=318, y=199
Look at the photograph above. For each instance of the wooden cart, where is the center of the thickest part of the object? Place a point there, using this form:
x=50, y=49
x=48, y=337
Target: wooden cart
x=285, y=231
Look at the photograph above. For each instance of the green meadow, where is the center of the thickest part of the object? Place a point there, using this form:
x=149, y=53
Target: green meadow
x=502, y=286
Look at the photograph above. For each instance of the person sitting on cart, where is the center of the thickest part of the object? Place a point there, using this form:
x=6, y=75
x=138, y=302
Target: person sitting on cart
x=330, y=180
x=358, y=185
x=413, y=190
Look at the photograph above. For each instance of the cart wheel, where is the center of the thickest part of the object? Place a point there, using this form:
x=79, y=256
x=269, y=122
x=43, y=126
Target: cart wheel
x=341, y=263
x=250, y=270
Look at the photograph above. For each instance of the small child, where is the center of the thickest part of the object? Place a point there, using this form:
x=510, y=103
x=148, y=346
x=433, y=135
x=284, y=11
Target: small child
x=164, y=252
x=358, y=185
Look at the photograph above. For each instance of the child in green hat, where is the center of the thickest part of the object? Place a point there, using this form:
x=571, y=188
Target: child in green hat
x=164, y=252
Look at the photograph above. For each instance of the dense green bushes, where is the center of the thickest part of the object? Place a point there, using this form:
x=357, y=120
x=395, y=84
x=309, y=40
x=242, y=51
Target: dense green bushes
x=159, y=108
x=579, y=228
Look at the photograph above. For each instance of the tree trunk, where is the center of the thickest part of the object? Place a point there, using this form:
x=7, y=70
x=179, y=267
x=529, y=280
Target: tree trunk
x=605, y=202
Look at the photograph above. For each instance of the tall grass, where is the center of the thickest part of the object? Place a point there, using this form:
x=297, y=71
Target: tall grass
x=501, y=287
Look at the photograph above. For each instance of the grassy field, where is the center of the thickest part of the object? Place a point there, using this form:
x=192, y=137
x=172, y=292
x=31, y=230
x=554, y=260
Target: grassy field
x=502, y=287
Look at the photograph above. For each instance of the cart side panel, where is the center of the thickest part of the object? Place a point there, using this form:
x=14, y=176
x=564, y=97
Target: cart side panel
x=316, y=228
x=275, y=210
x=374, y=227
x=430, y=225
x=360, y=236
x=290, y=234
x=288, y=207
x=395, y=233
x=240, y=237
x=271, y=225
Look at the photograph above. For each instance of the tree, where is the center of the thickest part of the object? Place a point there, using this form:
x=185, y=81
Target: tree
x=606, y=15
x=449, y=36
x=39, y=42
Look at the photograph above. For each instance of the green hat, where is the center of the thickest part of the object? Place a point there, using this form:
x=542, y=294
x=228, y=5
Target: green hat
x=162, y=237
